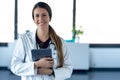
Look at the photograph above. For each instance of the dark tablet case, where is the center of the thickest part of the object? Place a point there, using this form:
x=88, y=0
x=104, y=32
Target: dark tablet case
x=40, y=53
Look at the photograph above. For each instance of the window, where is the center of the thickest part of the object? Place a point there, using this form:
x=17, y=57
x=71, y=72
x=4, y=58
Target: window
x=6, y=21
x=61, y=16
x=100, y=21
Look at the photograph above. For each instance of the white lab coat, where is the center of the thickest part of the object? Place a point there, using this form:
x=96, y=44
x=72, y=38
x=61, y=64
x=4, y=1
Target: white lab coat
x=22, y=64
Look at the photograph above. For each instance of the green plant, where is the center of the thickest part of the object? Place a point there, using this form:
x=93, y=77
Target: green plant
x=75, y=32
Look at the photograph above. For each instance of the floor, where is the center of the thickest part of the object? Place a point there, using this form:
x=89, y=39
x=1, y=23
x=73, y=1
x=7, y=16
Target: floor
x=102, y=74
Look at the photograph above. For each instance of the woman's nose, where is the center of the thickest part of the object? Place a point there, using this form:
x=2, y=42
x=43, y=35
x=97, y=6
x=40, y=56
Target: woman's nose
x=40, y=18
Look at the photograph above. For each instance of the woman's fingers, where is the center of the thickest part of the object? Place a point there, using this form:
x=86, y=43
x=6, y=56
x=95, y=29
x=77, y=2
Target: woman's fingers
x=49, y=59
x=45, y=62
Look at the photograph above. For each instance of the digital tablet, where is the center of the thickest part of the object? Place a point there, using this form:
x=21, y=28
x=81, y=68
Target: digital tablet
x=40, y=53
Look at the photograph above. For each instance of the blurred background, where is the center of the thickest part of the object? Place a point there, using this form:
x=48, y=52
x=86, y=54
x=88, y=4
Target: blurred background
x=95, y=52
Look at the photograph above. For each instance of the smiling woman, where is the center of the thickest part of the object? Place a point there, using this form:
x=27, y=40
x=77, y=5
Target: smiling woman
x=44, y=37
x=7, y=21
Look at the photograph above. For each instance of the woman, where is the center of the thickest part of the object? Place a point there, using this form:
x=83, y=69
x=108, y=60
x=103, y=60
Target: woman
x=56, y=68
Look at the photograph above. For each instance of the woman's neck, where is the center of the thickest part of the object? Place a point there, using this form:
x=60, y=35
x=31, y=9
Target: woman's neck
x=43, y=35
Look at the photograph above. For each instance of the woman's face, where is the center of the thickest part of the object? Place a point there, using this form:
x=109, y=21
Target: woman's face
x=41, y=18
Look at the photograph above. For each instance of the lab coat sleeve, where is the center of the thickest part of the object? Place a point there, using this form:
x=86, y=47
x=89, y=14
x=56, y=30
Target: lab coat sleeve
x=18, y=65
x=64, y=72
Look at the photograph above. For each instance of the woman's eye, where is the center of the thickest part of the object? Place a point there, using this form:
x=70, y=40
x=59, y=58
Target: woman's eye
x=37, y=15
x=44, y=15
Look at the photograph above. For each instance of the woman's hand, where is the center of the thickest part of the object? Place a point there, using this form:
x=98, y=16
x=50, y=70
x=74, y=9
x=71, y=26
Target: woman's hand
x=44, y=63
x=45, y=71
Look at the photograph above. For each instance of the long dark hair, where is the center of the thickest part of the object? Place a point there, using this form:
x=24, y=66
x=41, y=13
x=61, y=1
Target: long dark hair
x=58, y=43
